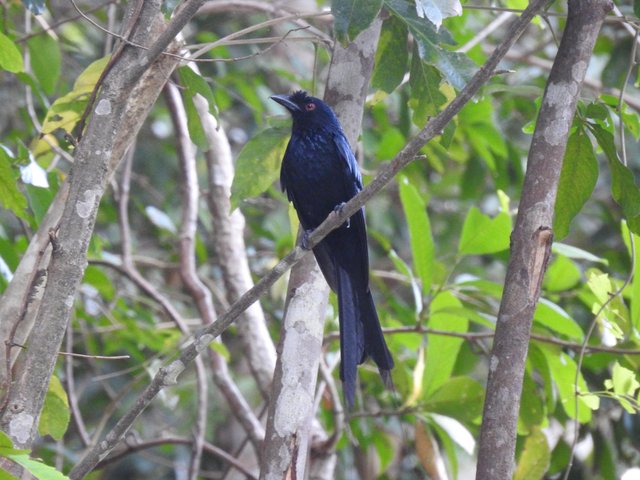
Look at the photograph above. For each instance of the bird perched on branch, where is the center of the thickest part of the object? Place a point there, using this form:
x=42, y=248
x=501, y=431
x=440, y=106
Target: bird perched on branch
x=319, y=174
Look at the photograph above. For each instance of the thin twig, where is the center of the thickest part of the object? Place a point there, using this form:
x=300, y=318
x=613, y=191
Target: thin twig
x=475, y=336
x=486, y=31
x=252, y=28
x=336, y=403
x=95, y=357
x=52, y=27
x=199, y=293
x=207, y=447
x=72, y=394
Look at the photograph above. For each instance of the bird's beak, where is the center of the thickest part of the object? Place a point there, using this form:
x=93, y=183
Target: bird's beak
x=285, y=102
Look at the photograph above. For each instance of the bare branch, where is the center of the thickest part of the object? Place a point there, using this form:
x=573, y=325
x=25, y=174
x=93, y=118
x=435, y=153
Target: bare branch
x=230, y=247
x=198, y=291
x=71, y=392
x=207, y=447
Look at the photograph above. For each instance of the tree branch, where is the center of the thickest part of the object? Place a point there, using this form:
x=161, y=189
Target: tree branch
x=206, y=447
x=200, y=294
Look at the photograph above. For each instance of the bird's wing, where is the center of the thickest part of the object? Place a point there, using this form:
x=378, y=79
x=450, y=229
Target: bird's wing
x=283, y=176
x=347, y=156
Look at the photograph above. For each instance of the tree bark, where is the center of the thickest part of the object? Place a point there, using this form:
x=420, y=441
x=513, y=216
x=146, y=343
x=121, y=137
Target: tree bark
x=532, y=238
x=287, y=440
x=116, y=106
x=228, y=240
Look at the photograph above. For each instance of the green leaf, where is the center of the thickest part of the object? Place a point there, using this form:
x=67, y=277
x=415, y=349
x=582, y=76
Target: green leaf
x=67, y=110
x=40, y=198
x=563, y=371
x=437, y=10
x=417, y=382
x=624, y=190
x=636, y=8
x=537, y=360
x=535, y=458
x=194, y=84
x=11, y=197
x=350, y=17
x=626, y=194
x=422, y=246
x=624, y=380
x=600, y=285
x=4, y=475
x=38, y=469
x=258, y=164
x=459, y=397
x=5, y=441
x=10, y=56
x=615, y=313
x=448, y=444
x=631, y=120
x=486, y=287
x=426, y=97
x=456, y=68
x=562, y=274
x=442, y=351
x=55, y=415
x=605, y=141
x=532, y=412
x=45, y=59
x=391, y=56
x=221, y=349
x=482, y=234
x=96, y=277
x=635, y=284
x=576, y=253
x=402, y=267
x=385, y=450
x=577, y=181
x=552, y=316
x=590, y=400
x=477, y=121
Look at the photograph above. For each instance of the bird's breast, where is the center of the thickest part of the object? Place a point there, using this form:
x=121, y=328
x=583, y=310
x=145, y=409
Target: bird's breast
x=317, y=177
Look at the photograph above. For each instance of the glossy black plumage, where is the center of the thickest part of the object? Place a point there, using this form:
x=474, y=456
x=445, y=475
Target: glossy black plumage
x=319, y=172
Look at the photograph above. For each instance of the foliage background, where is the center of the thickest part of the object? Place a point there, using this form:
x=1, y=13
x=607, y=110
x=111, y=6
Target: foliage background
x=438, y=237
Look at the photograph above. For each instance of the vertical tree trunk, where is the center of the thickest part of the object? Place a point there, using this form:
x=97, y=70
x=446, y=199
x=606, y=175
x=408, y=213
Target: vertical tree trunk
x=287, y=443
x=532, y=238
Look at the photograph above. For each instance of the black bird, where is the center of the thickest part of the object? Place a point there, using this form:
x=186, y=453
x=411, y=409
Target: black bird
x=319, y=174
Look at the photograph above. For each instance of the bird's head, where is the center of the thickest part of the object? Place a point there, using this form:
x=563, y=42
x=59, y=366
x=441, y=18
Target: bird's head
x=307, y=111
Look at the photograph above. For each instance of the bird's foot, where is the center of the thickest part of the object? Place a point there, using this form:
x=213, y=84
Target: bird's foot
x=338, y=211
x=304, y=243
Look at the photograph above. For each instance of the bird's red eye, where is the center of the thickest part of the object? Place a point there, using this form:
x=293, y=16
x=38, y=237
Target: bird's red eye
x=309, y=107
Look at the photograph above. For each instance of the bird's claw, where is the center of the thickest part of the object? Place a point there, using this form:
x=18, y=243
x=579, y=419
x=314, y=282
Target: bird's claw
x=304, y=243
x=338, y=211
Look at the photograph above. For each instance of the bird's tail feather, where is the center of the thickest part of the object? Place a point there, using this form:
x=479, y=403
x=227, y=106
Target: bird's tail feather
x=360, y=335
x=374, y=343
x=352, y=343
